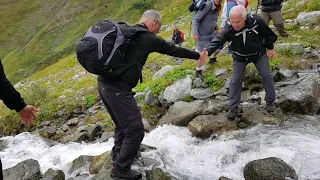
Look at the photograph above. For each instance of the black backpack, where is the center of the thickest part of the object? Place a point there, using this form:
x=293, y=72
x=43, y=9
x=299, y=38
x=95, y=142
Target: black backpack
x=197, y=5
x=103, y=48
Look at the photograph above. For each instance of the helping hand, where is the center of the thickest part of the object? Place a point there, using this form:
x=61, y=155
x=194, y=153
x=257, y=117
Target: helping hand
x=203, y=57
x=272, y=53
x=196, y=37
x=27, y=114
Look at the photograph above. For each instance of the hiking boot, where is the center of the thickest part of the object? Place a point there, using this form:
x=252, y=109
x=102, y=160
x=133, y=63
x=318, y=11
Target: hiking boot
x=130, y=175
x=270, y=107
x=212, y=60
x=199, y=75
x=232, y=114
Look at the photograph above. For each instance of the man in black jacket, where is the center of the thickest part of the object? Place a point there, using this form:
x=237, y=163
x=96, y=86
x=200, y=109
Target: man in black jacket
x=13, y=100
x=117, y=94
x=249, y=37
x=271, y=9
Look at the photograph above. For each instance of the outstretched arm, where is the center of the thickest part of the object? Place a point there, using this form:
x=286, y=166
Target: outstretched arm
x=13, y=100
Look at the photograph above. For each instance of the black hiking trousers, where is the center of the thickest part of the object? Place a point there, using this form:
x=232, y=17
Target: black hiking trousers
x=126, y=115
x=1, y=175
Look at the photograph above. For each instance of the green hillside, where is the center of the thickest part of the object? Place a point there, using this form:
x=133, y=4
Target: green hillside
x=36, y=34
x=38, y=40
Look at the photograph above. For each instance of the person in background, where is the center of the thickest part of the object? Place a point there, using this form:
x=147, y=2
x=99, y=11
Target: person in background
x=13, y=100
x=177, y=36
x=117, y=95
x=204, y=26
x=250, y=36
x=271, y=10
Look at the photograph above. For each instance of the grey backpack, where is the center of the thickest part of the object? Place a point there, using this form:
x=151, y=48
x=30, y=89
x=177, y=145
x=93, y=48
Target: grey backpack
x=103, y=48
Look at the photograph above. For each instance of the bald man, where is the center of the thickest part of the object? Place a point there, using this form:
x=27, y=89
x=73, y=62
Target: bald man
x=250, y=41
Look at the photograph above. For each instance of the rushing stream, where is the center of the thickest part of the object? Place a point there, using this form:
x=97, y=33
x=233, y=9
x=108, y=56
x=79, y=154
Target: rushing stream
x=297, y=143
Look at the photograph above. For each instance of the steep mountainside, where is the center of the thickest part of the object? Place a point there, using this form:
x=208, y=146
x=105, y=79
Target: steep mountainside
x=36, y=34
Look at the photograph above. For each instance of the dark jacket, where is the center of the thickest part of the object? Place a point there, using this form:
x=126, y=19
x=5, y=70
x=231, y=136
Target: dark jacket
x=271, y=5
x=8, y=94
x=176, y=37
x=248, y=44
x=145, y=43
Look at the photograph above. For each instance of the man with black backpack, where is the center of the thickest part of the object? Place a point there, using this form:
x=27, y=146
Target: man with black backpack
x=116, y=92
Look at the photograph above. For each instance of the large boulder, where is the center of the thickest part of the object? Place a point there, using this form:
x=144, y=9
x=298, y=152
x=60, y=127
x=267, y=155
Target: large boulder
x=181, y=113
x=163, y=71
x=255, y=114
x=305, y=18
x=269, y=168
x=205, y=125
x=179, y=90
x=300, y=95
x=26, y=170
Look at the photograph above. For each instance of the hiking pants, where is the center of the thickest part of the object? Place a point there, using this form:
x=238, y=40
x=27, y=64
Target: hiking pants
x=235, y=87
x=129, y=129
x=277, y=21
x=1, y=174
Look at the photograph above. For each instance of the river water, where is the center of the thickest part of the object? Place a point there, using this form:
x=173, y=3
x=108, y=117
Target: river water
x=297, y=142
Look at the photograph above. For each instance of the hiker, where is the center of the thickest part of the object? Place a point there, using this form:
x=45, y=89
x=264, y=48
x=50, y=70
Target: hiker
x=250, y=36
x=271, y=9
x=228, y=4
x=178, y=36
x=117, y=96
x=204, y=25
x=13, y=100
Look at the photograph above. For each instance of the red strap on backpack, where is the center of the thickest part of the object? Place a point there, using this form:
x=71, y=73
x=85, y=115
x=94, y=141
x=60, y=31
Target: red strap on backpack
x=182, y=35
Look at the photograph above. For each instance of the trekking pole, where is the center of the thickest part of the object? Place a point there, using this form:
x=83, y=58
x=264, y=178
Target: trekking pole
x=257, y=6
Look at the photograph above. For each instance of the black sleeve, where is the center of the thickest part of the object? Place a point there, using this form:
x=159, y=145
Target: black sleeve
x=161, y=46
x=269, y=36
x=8, y=94
x=218, y=41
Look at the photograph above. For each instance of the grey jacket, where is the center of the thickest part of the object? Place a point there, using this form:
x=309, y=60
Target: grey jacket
x=205, y=21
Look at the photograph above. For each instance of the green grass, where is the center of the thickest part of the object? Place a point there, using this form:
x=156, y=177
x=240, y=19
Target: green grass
x=38, y=47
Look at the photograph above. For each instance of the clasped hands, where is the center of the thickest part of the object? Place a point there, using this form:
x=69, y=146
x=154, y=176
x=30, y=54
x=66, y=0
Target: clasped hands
x=203, y=56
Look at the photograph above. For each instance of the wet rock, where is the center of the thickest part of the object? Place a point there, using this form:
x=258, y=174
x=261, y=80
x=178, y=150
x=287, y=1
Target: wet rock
x=156, y=174
x=26, y=170
x=269, y=168
x=99, y=161
x=181, y=113
x=51, y=174
x=81, y=161
x=205, y=125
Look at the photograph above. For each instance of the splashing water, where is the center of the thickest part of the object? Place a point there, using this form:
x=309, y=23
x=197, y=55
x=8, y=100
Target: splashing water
x=189, y=158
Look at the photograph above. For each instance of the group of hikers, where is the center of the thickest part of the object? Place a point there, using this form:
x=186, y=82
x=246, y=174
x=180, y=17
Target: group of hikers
x=250, y=41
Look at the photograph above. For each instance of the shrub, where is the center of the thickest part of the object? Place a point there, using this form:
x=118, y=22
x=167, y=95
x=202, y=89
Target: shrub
x=90, y=100
x=214, y=82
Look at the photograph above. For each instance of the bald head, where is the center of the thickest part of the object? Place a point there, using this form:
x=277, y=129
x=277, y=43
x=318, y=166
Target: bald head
x=238, y=11
x=238, y=16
